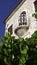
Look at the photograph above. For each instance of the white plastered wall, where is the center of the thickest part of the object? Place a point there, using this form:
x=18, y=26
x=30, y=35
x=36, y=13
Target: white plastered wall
x=27, y=6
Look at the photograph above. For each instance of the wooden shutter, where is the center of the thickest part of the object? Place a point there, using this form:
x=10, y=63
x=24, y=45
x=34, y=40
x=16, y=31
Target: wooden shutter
x=35, y=3
x=10, y=29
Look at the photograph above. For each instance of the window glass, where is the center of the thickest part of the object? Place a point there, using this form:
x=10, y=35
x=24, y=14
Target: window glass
x=23, y=19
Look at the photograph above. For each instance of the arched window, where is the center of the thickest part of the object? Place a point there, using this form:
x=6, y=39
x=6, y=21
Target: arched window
x=35, y=4
x=23, y=19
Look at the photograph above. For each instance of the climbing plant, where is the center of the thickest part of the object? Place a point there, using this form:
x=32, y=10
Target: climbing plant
x=32, y=52
x=13, y=51
x=18, y=51
x=35, y=15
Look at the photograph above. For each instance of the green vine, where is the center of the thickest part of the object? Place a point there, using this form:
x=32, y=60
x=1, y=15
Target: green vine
x=18, y=51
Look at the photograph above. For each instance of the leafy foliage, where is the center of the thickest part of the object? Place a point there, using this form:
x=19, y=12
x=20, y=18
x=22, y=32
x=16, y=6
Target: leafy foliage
x=34, y=15
x=32, y=52
x=13, y=51
x=19, y=51
x=33, y=40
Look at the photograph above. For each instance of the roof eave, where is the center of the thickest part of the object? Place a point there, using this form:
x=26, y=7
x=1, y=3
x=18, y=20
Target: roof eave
x=13, y=11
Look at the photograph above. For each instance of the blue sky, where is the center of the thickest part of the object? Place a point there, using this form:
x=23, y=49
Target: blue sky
x=6, y=6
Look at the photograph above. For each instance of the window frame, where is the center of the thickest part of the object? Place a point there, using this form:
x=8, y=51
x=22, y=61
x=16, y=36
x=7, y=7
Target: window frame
x=23, y=18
